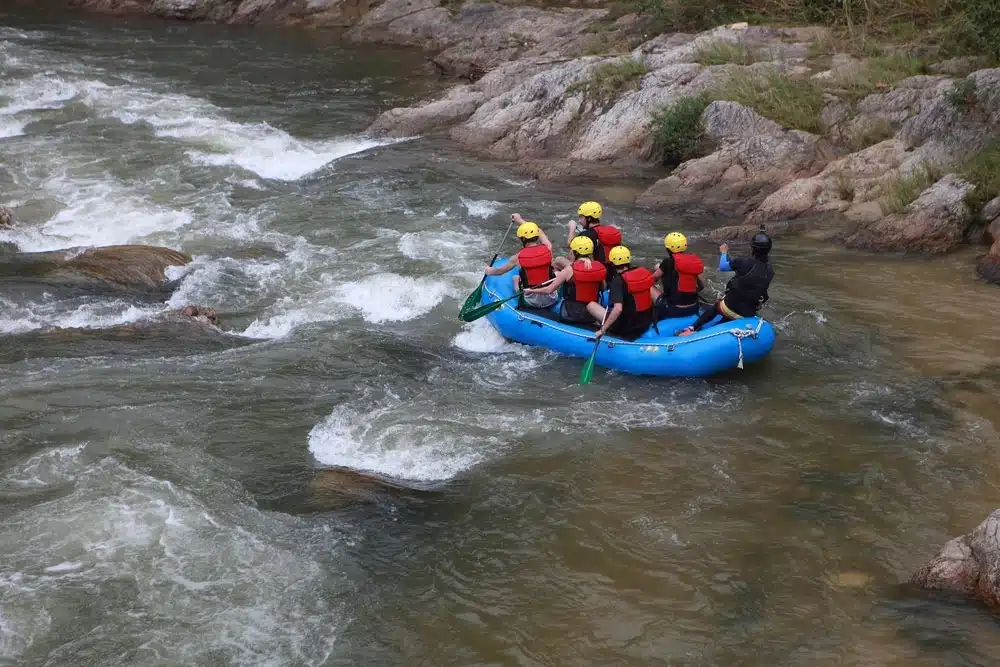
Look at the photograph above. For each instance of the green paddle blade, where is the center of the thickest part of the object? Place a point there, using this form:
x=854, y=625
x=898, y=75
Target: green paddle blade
x=588, y=368
x=472, y=302
x=475, y=313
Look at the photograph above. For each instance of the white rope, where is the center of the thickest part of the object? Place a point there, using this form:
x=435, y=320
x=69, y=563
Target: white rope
x=740, y=334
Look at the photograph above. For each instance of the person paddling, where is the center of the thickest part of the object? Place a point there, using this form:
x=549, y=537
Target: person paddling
x=534, y=262
x=583, y=281
x=680, y=272
x=605, y=237
x=746, y=292
x=631, y=311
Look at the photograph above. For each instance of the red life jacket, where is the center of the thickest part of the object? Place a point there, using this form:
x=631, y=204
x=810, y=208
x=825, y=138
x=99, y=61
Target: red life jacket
x=688, y=268
x=536, y=265
x=586, y=282
x=637, y=282
x=608, y=236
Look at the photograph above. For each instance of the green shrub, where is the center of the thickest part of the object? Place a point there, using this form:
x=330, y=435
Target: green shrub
x=678, y=130
x=983, y=171
x=722, y=53
x=901, y=190
x=607, y=81
x=789, y=101
x=872, y=133
x=879, y=72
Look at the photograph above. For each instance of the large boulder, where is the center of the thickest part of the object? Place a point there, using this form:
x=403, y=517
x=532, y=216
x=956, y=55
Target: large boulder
x=988, y=266
x=845, y=185
x=968, y=565
x=936, y=222
x=755, y=156
x=129, y=268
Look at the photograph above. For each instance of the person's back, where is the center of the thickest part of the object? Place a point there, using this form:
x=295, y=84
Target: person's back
x=746, y=292
x=679, y=271
x=584, y=286
x=630, y=288
x=604, y=237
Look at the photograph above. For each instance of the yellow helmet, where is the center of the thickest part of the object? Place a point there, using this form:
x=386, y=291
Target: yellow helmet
x=620, y=255
x=528, y=231
x=676, y=242
x=582, y=246
x=591, y=209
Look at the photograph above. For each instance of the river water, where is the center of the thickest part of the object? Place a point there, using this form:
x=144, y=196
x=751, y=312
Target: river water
x=162, y=508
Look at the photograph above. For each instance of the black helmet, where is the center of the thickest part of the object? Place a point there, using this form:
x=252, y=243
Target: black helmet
x=761, y=243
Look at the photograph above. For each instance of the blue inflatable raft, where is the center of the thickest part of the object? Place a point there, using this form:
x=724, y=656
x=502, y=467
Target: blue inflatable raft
x=714, y=349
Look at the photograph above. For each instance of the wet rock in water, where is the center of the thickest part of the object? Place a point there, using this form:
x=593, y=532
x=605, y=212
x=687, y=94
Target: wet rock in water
x=336, y=487
x=7, y=218
x=988, y=266
x=131, y=268
x=200, y=314
x=190, y=330
x=934, y=223
x=969, y=565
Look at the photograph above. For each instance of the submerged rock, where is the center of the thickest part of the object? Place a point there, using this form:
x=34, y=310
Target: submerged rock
x=968, y=565
x=336, y=487
x=190, y=330
x=136, y=268
x=7, y=218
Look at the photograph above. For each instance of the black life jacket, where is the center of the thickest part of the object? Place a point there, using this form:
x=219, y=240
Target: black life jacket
x=746, y=293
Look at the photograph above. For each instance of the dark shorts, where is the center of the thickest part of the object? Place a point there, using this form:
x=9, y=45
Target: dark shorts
x=575, y=312
x=666, y=310
x=632, y=328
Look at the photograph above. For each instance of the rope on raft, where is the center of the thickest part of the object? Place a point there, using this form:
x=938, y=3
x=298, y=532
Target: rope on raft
x=748, y=331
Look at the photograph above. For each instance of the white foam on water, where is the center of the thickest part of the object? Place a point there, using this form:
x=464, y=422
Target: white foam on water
x=12, y=128
x=448, y=248
x=29, y=316
x=48, y=468
x=36, y=93
x=481, y=336
x=267, y=151
x=235, y=587
x=389, y=297
x=64, y=567
x=96, y=213
x=817, y=315
x=480, y=208
x=397, y=443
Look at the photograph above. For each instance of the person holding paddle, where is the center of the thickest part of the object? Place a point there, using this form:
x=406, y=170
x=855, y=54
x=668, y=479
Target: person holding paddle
x=583, y=280
x=631, y=312
x=534, y=263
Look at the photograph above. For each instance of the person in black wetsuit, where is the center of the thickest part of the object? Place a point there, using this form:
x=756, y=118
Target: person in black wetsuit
x=746, y=292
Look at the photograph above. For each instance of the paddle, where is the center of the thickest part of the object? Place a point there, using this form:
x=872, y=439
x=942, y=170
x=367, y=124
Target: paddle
x=588, y=368
x=477, y=294
x=488, y=308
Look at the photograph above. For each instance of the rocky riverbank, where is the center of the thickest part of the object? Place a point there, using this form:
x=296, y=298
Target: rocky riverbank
x=774, y=125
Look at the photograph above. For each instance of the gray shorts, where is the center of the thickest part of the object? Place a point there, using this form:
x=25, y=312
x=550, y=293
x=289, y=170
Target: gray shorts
x=540, y=300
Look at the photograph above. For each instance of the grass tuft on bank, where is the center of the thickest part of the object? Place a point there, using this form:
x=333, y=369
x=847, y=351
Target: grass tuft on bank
x=609, y=80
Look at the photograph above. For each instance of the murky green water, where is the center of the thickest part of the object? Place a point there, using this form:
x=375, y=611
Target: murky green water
x=159, y=503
